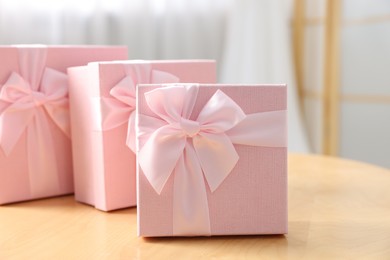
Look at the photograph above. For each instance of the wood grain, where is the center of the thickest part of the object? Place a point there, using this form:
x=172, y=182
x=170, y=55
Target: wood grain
x=338, y=209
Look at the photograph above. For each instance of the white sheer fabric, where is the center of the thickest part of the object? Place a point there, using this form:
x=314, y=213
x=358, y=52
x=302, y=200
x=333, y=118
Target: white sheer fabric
x=153, y=29
x=250, y=39
x=258, y=49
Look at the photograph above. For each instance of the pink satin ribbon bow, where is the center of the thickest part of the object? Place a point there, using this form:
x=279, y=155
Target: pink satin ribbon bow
x=32, y=98
x=173, y=143
x=119, y=109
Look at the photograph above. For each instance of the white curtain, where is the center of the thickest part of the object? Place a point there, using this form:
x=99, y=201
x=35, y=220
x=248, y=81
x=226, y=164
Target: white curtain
x=153, y=29
x=258, y=49
x=250, y=39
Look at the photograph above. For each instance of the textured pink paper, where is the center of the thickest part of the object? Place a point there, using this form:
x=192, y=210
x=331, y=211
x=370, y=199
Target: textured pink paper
x=14, y=177
x=104, y=166
x=252, y=199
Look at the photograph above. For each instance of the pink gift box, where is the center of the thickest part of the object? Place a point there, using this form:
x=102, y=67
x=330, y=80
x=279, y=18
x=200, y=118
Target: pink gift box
x=102, y=101
x=35, y=147
x=212, y=159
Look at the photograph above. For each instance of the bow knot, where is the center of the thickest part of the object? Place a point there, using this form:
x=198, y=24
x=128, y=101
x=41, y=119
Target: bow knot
x=215, y=153
x=190, y=128
x=38, y=98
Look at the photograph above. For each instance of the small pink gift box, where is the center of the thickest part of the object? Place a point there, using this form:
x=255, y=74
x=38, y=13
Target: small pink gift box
x=212, y=159
x=102, y=101
x=35, y=147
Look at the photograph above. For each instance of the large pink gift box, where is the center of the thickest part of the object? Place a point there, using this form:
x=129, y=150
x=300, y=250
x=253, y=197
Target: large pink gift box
x=102, y=101
x=35, y=146
x=212, y=159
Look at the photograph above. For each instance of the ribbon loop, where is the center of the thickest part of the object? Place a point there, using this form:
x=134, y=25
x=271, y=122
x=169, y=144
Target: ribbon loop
x=124, y=91
x=119, y=108
x=220, y=113
x=14, y=89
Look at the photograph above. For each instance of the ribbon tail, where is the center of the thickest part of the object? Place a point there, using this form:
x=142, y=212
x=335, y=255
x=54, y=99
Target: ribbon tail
x=42, y=162
x=12, y=127
x=190, y=205
x=59, y=113
x=130, y=141
x=217, y=157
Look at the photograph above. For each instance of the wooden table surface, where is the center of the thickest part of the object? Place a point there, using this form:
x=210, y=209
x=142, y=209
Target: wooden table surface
x=338, y=209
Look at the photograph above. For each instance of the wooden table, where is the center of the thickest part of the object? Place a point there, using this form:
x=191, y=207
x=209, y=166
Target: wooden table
x=338, y=209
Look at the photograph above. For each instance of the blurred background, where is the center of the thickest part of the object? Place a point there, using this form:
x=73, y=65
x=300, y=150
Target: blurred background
x=333, y=54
